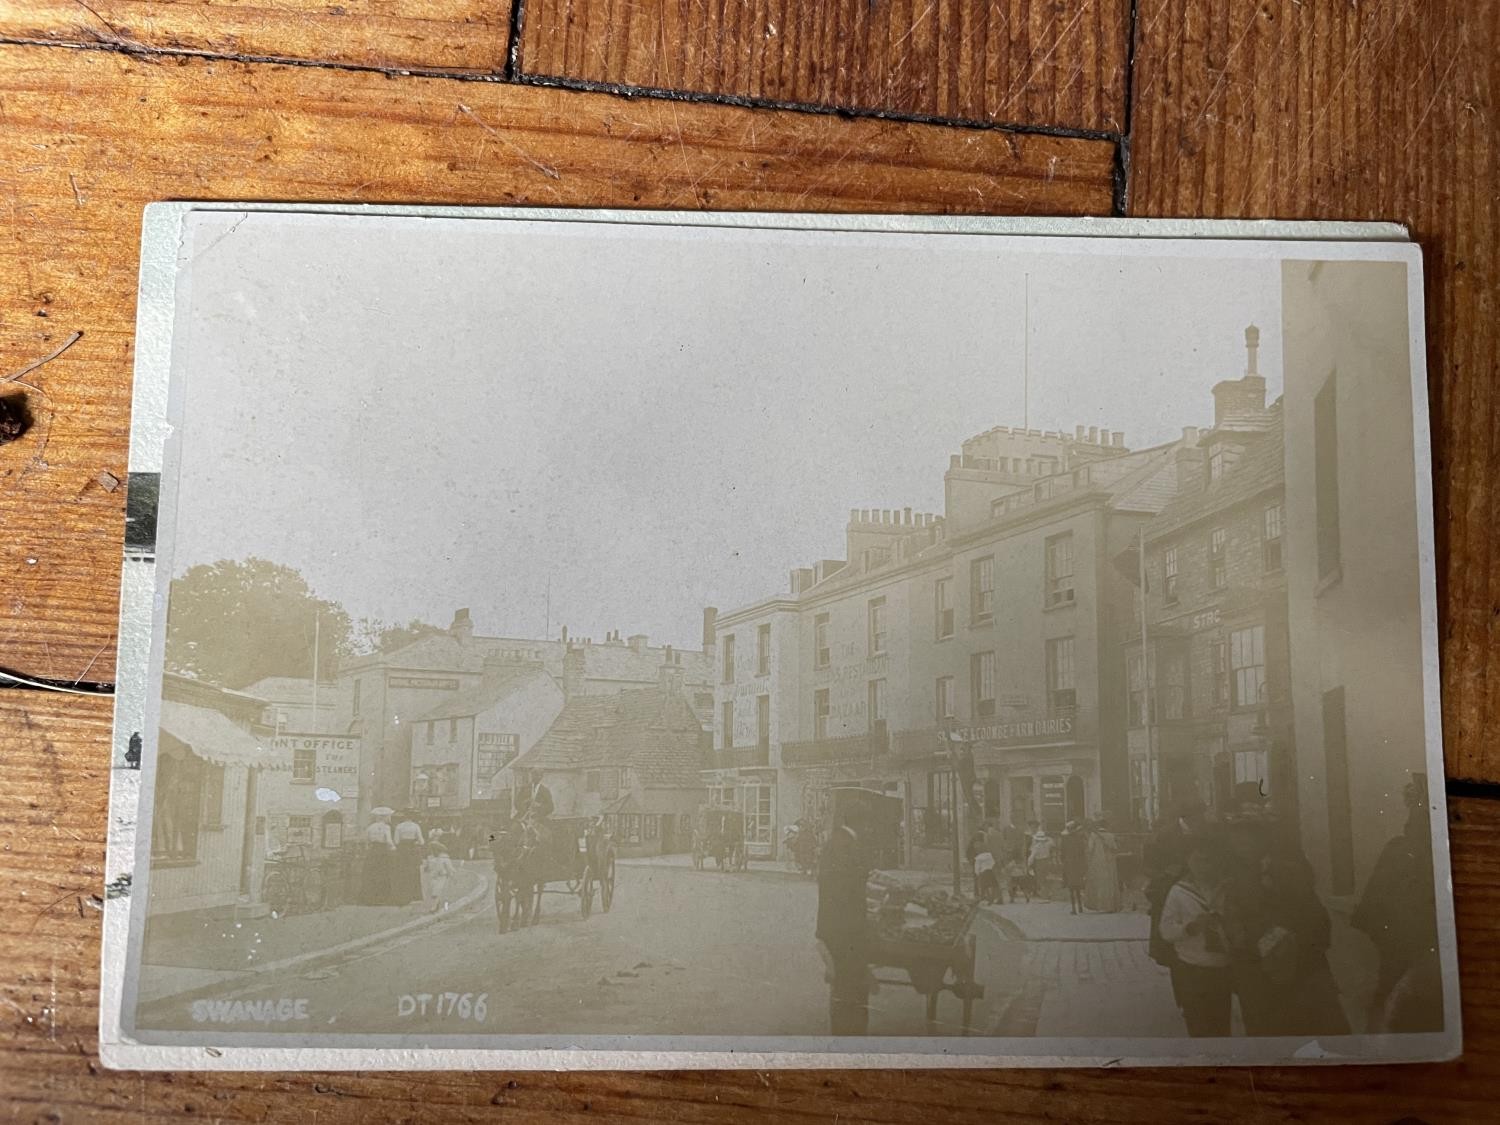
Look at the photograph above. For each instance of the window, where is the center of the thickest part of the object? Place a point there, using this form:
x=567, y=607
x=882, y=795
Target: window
x=1169, y=576
x=333, y=830
x=653, y=826
x=982, y=590
x=1136, y=704
x=1218, y=572
x=1173, y=693
x=304, y=766
x=299, y=830
x=591, y=781
x=820, y=713
x=763, y=651
x=1251, y=766
x=1326, y=476
x=727, y=723
x=755, y=803
x=609, y=784
x=938, y=818
x=1220, y=655
x=821, y=653
x=354, y=703
x=945, y=699
x=982, y=682
x=452, y=730
x=1271, y=538
x=1215, y=461
x=877, y=707
x=630, y=827
x=1247, y=661
x=942, y=604
x=1060, y=569
x=877, y=626
x=496, y=751
x=763, y=722
x=212, y=815
x=1061, y=693
x=1340, y=815
x=729, y=659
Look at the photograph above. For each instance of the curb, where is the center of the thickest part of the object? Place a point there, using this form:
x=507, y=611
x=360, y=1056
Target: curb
x=255, y=977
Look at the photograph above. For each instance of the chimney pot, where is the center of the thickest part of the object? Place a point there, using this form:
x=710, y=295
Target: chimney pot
x=1103, y=437
x=1093, y=435
x=1119, y=439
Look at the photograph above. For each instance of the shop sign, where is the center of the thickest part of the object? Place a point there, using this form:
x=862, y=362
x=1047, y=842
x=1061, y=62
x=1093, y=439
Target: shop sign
x=424, y=682
x=1018, y=731
x=335, y=758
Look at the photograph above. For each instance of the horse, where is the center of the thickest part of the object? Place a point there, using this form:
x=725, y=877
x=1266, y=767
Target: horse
x=518, y=890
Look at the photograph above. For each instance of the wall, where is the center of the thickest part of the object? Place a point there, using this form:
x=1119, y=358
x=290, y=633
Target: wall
x=1361, y=630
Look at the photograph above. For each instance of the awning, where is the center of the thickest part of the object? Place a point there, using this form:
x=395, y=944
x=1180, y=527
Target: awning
x=217, y=738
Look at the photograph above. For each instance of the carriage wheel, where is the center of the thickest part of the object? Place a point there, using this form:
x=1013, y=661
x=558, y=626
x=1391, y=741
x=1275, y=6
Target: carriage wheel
x=277, y=894
x=586, y=892
x=607, y=885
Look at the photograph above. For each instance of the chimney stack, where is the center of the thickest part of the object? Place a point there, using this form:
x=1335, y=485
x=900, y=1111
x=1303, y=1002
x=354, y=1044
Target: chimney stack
x=669, y=675
x=638, y=642
x=1093, y=435
x=710, y=622
x=462, y=628
x=1252, y=350
x=574, y=668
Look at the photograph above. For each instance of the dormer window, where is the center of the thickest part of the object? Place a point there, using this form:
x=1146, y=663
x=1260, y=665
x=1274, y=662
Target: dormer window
x=1215, y=462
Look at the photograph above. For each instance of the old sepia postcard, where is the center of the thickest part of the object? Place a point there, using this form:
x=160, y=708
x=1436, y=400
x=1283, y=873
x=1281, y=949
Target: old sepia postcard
x=601, y=639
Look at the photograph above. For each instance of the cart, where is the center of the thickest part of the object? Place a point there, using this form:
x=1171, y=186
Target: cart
x=927, y=935
x=719, y=833
x=574, y=851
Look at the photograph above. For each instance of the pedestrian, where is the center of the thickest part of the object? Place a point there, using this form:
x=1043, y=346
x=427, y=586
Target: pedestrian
x=437, y=873
x=1102, y=890
x=1192, y=921
x=375, y=877
x=406, y=877
x=1398, y=913
x=986, y=883
x=1075, y=864
x=1165, y=860
x=1039, y=857
x=842, y=926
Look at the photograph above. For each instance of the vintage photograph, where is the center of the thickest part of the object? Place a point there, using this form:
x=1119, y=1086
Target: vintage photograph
x=639, y=634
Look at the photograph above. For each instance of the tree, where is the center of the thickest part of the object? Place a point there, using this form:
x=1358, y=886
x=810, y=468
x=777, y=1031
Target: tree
x=233, y=623
x=380, y=636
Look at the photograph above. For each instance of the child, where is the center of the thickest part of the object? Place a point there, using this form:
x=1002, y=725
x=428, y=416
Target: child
x=1191, y=922
x=986, y=885
x=437, y=870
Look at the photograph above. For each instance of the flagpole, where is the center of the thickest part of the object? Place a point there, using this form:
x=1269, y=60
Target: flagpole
x=1153, y=811
x=317, y=629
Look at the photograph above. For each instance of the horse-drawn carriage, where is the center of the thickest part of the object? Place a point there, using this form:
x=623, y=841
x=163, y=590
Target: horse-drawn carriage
x=528, y=856
x=719, y=833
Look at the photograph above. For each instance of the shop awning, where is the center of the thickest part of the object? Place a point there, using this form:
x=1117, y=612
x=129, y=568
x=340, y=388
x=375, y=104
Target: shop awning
x=217, y=738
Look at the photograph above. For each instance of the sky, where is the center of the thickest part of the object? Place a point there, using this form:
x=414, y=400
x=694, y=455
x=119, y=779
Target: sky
x=421, y=414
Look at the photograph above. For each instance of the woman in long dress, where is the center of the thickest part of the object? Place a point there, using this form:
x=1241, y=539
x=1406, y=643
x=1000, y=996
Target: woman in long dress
x=1101, y=890
x=375, y=879
x=1075, y=864
x=406, y=880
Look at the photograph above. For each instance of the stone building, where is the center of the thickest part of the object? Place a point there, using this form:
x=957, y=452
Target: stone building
x=1209, y=706
x=996, y=625
x=390, y=694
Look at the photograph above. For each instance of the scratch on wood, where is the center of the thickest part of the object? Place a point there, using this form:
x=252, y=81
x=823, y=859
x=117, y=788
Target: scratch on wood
x=48, y=358
x=545, y=169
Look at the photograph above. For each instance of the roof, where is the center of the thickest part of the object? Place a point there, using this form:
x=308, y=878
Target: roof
x=615, y=662
x=496, y=685
x=654, y=731
x=1260, y=468
x=290, y=689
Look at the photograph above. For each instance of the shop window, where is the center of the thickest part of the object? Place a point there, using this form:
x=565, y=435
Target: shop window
x=177, y=805
x=653, y=826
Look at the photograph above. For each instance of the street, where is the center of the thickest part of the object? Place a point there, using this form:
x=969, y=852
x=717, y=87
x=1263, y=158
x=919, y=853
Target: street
x=682, y=952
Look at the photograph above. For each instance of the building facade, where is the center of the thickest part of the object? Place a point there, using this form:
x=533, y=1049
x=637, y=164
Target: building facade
x=389, y=693
x=1209, y=708
x=995, y=627
x=1353, y=573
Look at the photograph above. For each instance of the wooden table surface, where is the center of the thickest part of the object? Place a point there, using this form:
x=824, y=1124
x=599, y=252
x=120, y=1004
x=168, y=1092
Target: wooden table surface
x=1339, y=109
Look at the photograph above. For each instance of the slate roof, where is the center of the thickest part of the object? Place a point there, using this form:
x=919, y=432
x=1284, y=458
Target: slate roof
x=654, y=731
x=495, y=686
x=290, y=689
x=1260, y=468
x=616, y=663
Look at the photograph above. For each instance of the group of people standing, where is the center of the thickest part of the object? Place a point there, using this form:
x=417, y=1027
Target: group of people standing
x=1009, y=862
x=1236, y=917
x=402, y=864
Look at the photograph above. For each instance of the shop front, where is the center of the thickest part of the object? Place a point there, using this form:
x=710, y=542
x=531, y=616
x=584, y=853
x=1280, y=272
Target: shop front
x=752, y=792
x=1042, y=770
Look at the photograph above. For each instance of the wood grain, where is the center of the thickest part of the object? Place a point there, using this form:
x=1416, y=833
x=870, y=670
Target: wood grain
x=430, y=35
x=1058, y=64
x=1380, y=110
x=52, y=816
x=76, y=172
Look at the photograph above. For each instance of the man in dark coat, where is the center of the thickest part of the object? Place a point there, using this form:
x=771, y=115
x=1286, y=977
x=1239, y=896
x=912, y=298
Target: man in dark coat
x=843, y=927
